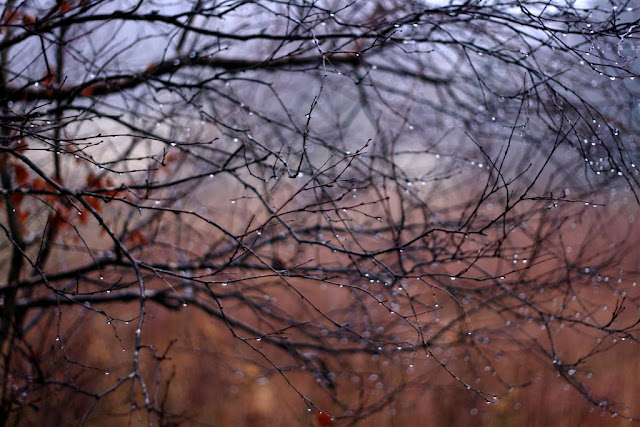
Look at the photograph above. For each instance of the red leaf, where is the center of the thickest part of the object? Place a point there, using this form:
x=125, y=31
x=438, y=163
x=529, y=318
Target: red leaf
x=40, y=184
x=94, y=202
x=323, y=419
x=16, y=199
x=50, y=77
x=21, y=146
x=22, y=216
x=28, y=20
x=57, y=222
x=87, y=91
x=138, y=238
x=10, y=16
x=65, y=7
x=22, y=174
